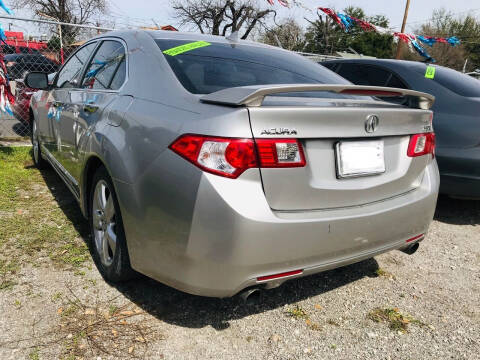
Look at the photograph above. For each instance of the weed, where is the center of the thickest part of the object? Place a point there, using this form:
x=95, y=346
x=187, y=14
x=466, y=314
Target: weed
x=34, y=354
x=112, y=309
x=383, y=273
x=297, y=312
x=57, y=296
x=396, y=320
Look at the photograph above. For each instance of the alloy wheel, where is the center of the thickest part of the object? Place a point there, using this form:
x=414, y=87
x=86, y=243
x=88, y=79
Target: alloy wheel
x=104, y=223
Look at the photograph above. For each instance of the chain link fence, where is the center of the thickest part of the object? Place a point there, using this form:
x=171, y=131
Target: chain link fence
x=40, y=45
x=32, y=45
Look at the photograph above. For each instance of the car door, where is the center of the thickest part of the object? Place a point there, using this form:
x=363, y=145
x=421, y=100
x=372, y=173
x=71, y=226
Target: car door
x=61, y=110
x=104, y=76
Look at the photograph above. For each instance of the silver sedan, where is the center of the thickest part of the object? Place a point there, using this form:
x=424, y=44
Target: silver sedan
x=215, y=165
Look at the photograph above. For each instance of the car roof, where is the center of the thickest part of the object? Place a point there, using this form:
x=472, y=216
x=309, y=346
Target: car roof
x=177, y=35
x=385, y=62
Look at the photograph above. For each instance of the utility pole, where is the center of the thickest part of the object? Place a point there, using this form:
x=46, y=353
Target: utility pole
x=405, y=15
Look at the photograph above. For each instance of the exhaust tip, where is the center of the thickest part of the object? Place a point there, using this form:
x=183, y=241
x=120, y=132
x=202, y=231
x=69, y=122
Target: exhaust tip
x=251, y=296
x=411, y=249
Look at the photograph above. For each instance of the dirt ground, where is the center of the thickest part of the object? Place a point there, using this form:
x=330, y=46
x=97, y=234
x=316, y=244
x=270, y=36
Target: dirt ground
x=55, y=305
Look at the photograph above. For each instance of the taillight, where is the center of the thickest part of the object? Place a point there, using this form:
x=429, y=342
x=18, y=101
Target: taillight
x=230, y=157
x=421, y=144
x=280, y=153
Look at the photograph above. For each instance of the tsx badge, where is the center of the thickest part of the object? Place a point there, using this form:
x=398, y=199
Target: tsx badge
x=279, y=131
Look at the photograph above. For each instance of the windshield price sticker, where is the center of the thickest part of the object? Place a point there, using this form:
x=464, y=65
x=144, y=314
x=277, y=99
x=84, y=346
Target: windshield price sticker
x=430, y=73
x=186, y=47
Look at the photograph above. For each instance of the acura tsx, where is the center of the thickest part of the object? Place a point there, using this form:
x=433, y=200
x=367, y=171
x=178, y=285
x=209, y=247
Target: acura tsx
x=216, y=165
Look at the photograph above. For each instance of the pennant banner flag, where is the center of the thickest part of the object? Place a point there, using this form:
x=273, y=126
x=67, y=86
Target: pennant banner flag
x=348, y=22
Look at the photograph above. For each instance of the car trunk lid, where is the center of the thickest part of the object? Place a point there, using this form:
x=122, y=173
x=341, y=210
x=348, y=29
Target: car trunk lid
x=333, y=131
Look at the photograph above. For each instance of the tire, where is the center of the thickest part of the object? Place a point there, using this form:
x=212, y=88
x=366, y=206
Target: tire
x=108, y=245
x=38, y=160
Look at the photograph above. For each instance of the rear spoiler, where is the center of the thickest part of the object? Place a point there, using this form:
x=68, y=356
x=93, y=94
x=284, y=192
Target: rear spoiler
x=254, y=95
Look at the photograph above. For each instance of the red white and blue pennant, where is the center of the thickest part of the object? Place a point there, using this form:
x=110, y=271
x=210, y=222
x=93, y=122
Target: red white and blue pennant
x=348, y=22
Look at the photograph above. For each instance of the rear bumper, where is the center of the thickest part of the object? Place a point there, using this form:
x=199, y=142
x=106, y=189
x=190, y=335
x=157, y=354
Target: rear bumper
x=235, y=237
x=459, y=171
x=460, y=186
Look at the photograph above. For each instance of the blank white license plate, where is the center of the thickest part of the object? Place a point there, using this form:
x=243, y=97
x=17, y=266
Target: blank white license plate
x=360, y=158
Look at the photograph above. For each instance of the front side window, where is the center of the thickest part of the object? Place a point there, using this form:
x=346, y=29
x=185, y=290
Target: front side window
x=71, y=71
x=107, y=69
x=217, y=66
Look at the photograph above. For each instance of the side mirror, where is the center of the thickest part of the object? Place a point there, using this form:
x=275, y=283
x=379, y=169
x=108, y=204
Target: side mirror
x=37, y=80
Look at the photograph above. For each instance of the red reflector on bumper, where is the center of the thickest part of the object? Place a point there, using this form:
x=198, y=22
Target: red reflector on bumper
x=415, y=238
x=277, y=276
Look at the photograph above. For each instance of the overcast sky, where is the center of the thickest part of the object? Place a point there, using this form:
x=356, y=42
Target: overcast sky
x=420, y=10
x=134, y=13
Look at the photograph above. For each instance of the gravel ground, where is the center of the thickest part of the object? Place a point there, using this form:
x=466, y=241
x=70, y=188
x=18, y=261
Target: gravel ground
x=395, y=306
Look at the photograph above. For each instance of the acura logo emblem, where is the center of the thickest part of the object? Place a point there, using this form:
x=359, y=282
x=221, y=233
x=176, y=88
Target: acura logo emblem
x=371, y=123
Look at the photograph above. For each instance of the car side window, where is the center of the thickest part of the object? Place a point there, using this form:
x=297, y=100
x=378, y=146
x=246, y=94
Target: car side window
x=363, y=75
x=107, y=69
x=71, y=71
x=394, y=81
x=331, y=65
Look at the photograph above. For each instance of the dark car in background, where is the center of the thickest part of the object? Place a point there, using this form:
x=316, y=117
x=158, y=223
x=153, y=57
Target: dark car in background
x=18, y=65
x=23, y=95
x=15, y=49
x=456, y=113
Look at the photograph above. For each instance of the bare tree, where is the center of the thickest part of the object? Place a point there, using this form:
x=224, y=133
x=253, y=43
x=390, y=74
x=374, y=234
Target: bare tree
x=69, y=11
x=288, y=34
x=219, y=17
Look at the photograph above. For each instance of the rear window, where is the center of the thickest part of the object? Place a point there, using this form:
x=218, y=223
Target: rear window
x=457, y=82
x=218, y=66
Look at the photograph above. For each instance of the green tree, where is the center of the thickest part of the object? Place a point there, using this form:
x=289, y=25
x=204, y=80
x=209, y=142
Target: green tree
x=54, y=43
x=325, y=36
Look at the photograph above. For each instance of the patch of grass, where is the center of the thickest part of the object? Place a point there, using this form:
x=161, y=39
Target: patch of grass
x=34, y=354
x=7, y=284
x=74, y=254
x=297, y=312
x=394, y=318
x=39, y=218
x=8, y=269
